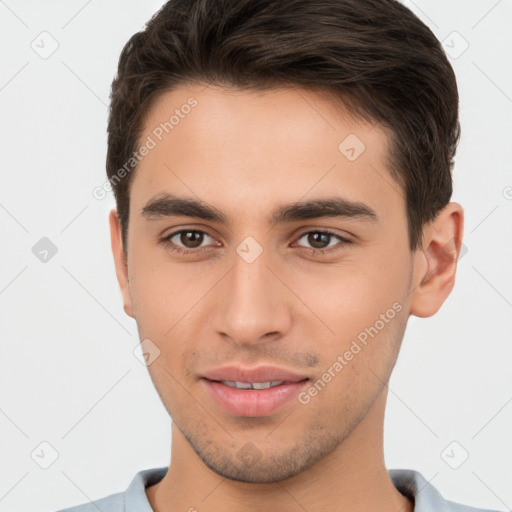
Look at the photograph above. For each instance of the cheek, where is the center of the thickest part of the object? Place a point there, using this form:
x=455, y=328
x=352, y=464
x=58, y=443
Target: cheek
x=362, y=304
x=353, y=294
x=165, y=293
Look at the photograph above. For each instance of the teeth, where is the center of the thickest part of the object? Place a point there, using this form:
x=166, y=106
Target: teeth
x=252, y=385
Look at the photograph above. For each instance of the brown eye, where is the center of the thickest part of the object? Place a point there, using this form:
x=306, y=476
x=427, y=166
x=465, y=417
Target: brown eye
x=318, y=240
x=321, y=240
x=191, y=239
x=186, y=241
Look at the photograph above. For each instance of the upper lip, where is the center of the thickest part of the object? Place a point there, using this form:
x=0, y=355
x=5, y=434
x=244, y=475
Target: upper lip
x=258, y=374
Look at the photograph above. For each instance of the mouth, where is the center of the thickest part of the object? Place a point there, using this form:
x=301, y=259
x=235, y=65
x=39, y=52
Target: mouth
x=251, y=385
x=253, y=392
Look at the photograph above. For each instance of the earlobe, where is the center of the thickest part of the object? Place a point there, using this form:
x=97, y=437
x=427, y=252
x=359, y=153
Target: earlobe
x=120, y=262
x=435, y=264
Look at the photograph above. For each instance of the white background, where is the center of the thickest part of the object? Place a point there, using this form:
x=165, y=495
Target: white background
x=68, y=373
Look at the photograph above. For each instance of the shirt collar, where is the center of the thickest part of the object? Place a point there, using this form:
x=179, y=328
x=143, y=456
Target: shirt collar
x=422, y=493
x=135, y=498
x=410, y=483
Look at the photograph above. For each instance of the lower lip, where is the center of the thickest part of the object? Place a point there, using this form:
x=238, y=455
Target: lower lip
x=253, y=402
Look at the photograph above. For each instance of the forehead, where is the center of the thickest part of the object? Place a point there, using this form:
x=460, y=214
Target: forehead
x=246, y=148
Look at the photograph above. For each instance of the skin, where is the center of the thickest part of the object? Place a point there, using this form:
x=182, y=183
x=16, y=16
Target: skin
x=246, y=153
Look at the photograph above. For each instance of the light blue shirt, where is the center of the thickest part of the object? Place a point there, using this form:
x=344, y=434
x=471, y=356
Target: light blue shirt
x=409, y=482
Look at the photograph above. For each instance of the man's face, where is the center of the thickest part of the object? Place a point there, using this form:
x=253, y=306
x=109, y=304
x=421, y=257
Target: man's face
x=251, y=294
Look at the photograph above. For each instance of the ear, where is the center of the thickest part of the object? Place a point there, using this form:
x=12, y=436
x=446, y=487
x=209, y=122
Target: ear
x=120, y=261
x=435, y=263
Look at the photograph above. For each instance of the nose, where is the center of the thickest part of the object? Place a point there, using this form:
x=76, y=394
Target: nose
x=252, y=304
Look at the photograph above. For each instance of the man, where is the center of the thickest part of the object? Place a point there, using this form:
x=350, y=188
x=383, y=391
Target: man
x=282, y=174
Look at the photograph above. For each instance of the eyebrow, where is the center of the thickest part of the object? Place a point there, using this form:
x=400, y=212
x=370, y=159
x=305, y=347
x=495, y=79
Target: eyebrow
x=169, y=205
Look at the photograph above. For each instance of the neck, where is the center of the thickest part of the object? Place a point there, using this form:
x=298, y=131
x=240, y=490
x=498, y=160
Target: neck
x=352, y=477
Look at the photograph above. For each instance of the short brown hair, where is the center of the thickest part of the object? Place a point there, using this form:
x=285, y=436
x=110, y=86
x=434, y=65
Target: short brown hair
x=383, y=62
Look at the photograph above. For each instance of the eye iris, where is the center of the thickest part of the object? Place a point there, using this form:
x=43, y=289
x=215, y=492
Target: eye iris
x=313, y=240
x=191, y=239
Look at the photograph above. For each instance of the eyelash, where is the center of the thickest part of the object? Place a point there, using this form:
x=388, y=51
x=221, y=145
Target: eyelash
x=179, y=250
